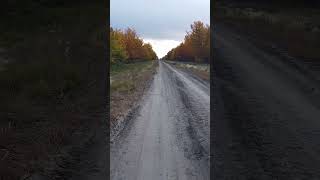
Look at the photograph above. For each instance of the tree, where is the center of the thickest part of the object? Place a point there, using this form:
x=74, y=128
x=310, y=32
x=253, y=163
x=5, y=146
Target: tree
x=149, y=53
x=133, y=44
x=196, y=45
x=198, y=37
x=127, y=46
x=118, y=52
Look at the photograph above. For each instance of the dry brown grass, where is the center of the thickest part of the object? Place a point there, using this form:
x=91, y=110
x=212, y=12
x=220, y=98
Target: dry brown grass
x=200, y=70
x=202, y=74
x=128, y=87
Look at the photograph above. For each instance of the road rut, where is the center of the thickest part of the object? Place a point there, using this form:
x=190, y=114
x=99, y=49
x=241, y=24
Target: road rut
x=168, y=137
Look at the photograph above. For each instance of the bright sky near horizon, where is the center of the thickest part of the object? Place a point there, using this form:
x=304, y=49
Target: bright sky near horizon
x=162, y=23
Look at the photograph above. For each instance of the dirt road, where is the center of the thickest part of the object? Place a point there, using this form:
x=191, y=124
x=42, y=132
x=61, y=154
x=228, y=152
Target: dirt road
x=168, y=137
x=266, y=115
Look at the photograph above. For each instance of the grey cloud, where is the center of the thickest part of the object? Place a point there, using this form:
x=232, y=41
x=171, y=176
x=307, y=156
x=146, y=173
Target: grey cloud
x=165, y=19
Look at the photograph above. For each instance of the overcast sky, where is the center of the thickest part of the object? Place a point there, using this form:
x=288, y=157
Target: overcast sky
x=163, y=23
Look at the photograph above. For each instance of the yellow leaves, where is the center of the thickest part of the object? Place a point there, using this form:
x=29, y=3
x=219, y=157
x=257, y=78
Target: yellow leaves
x=127, y=45
x=196, y=45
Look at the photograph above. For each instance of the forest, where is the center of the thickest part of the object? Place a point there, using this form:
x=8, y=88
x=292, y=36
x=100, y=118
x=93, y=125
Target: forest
x=195, y=47
x=126, y=46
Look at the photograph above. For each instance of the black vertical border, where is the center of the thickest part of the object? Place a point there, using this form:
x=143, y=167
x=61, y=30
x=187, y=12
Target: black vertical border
x=212, y=5
x=107, y=82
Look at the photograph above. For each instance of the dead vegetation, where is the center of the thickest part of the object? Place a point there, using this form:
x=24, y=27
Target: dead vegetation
x=200, y=70
x=127, y=86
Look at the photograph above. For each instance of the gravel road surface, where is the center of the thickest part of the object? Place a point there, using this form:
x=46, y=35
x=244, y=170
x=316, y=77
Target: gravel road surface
x=168, y=137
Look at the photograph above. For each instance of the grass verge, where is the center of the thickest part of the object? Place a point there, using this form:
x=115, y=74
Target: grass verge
x=128, y=82
x=200, y=70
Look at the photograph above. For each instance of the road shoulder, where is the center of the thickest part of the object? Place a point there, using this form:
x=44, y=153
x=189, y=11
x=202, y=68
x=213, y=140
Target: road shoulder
x=128, y=84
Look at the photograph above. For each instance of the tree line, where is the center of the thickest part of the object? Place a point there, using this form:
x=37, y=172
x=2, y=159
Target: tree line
x=195, y=47
x=127, y=46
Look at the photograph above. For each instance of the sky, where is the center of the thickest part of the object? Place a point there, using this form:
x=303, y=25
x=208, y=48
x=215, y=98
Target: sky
x=162, y=23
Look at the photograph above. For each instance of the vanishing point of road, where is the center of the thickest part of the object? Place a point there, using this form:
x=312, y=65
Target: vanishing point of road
x=168, y=137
